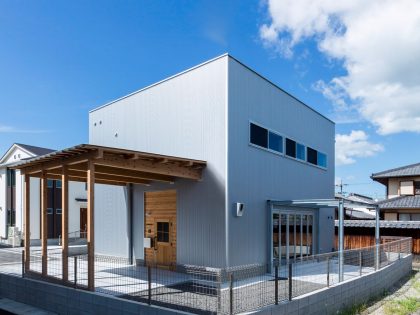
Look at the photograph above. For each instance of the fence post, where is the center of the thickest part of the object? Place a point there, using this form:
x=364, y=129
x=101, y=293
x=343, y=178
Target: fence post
x=23, y=263
x=360, y=262
x=328, y=271
x=149, y=281
x=219, y=292
x=399, y=250
x=75, y=271
x=231, y=293
x=290, y=282
x=276, y=284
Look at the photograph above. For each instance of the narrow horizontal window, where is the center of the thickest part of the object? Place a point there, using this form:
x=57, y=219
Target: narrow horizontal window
x=49, y=210
x=275, y=142
x=322, y=159
x=50, y=183
x=300, y=152
x=312, y=156
x=290, y=148
x=58, y=211
x=258, y=136
x=58, y=184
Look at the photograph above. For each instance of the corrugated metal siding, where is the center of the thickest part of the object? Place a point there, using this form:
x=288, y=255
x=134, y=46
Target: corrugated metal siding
x=256, y=175
x=111, y=223
x=183, y=116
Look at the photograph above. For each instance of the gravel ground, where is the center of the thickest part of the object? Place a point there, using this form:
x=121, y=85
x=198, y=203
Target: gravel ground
x=195, y=298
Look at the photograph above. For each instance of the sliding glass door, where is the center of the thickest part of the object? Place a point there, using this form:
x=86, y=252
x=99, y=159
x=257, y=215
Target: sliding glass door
x=292, y=236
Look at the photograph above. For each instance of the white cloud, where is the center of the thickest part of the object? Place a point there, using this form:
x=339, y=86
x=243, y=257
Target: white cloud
x=10, y=129
x=354, y=145
x=378, y=43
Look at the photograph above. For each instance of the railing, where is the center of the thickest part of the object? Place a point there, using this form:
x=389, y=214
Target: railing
x=205, y=290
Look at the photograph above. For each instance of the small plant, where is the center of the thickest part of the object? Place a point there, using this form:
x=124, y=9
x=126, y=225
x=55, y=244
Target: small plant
x=402, y=307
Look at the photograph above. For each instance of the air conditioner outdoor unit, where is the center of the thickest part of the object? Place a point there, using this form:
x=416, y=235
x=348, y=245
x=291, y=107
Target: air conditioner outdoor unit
x=14, y=236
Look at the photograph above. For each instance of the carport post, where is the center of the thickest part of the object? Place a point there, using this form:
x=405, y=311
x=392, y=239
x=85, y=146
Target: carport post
x=65, y=222
x=276, y=284
x=27, y=222
x=91, y=225
x=340, y=240
x=377, y=238
x=44, y=223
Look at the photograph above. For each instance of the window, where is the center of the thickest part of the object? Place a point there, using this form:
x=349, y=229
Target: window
x=50, y=183
x=290, y=148
x=49, y=210
x=275, y=142
x=407, y=187
x=58, y=211
x=11, y=178
x=417, y=188
x=58, y=184
x=312, y=156
x=258, y=135
x=163, y=232
x=404, y=217
x=415, y=216
x=300, y=151
x=322, y=159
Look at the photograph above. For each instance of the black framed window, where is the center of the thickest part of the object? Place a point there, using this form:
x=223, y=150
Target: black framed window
x=258, y=135
x=417, y=187
x=312, y=156
x=275, y=142
x=163, y=232
x=290, y=148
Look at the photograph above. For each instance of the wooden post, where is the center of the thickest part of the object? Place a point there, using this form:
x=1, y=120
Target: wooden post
x=65, y=222
x=44, y=224
x=90, y=225
x=27, y=222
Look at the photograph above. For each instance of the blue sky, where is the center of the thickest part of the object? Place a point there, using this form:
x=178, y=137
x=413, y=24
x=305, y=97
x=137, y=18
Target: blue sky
x=60, y=59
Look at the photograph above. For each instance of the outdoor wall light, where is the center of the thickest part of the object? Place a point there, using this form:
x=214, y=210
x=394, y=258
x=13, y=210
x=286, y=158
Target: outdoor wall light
x=239, y=209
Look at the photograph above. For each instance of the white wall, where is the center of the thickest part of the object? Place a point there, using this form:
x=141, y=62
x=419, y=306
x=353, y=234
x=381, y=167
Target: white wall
x=3, y=209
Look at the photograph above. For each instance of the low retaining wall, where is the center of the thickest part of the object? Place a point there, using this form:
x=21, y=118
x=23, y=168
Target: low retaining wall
x=63, y=300
x=348, y=293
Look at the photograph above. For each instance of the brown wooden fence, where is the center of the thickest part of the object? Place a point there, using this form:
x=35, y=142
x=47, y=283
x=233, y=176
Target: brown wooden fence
x=357, y=237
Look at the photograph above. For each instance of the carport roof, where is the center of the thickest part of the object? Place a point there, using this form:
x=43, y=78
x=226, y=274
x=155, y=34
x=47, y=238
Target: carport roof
x=115, y=166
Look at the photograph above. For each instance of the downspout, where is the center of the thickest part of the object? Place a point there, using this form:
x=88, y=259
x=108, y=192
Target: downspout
x=130, y=223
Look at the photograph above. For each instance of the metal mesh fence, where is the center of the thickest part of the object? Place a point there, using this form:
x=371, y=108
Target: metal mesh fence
x=205, y=290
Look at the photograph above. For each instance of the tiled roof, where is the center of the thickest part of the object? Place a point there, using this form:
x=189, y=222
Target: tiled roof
x=408, y=170
x=402, y=202
x=35, y=150
x=382, y=224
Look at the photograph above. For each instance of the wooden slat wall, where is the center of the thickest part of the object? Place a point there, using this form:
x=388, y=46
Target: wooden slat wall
x=160, y=205
x=364, y=237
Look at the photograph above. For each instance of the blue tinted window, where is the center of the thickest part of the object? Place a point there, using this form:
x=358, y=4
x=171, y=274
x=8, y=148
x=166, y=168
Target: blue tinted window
x=275, y=142
x=58, y=184
x=322, y=159
x=50, y=183
x=300, y=151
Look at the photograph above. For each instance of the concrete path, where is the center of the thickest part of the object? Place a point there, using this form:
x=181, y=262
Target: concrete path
x=17, y=308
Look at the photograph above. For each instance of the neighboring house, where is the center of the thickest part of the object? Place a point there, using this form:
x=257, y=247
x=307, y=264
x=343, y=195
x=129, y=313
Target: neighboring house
x=402, y=191
x=259, y=142
x=356, y=213
x=11, y=198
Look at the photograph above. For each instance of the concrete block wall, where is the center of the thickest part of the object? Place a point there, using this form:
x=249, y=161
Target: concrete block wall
x=69, y=301
x=356, y=291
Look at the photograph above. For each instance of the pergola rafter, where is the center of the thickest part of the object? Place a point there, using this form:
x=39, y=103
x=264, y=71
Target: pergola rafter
x=94, y=164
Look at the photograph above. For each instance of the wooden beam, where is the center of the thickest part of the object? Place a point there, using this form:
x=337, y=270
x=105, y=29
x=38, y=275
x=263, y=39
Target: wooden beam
x=44, y=225
x=27, y=198
x=91, y=225
x=65, y=221
x=150, y=167
x=100, y=169
x=121, y=179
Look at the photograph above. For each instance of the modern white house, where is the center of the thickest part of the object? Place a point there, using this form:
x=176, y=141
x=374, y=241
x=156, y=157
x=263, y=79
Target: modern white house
x=11, y=200
x=260, y=145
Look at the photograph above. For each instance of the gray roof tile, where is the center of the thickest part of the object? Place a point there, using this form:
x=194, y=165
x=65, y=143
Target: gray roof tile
x=402, y=202
x=408, y=170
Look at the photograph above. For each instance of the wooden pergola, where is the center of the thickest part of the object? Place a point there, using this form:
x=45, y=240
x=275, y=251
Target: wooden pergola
x=94, y=164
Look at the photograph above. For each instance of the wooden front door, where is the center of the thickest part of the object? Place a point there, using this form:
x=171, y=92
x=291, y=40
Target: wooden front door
x=83, y=222
x=160, y=219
